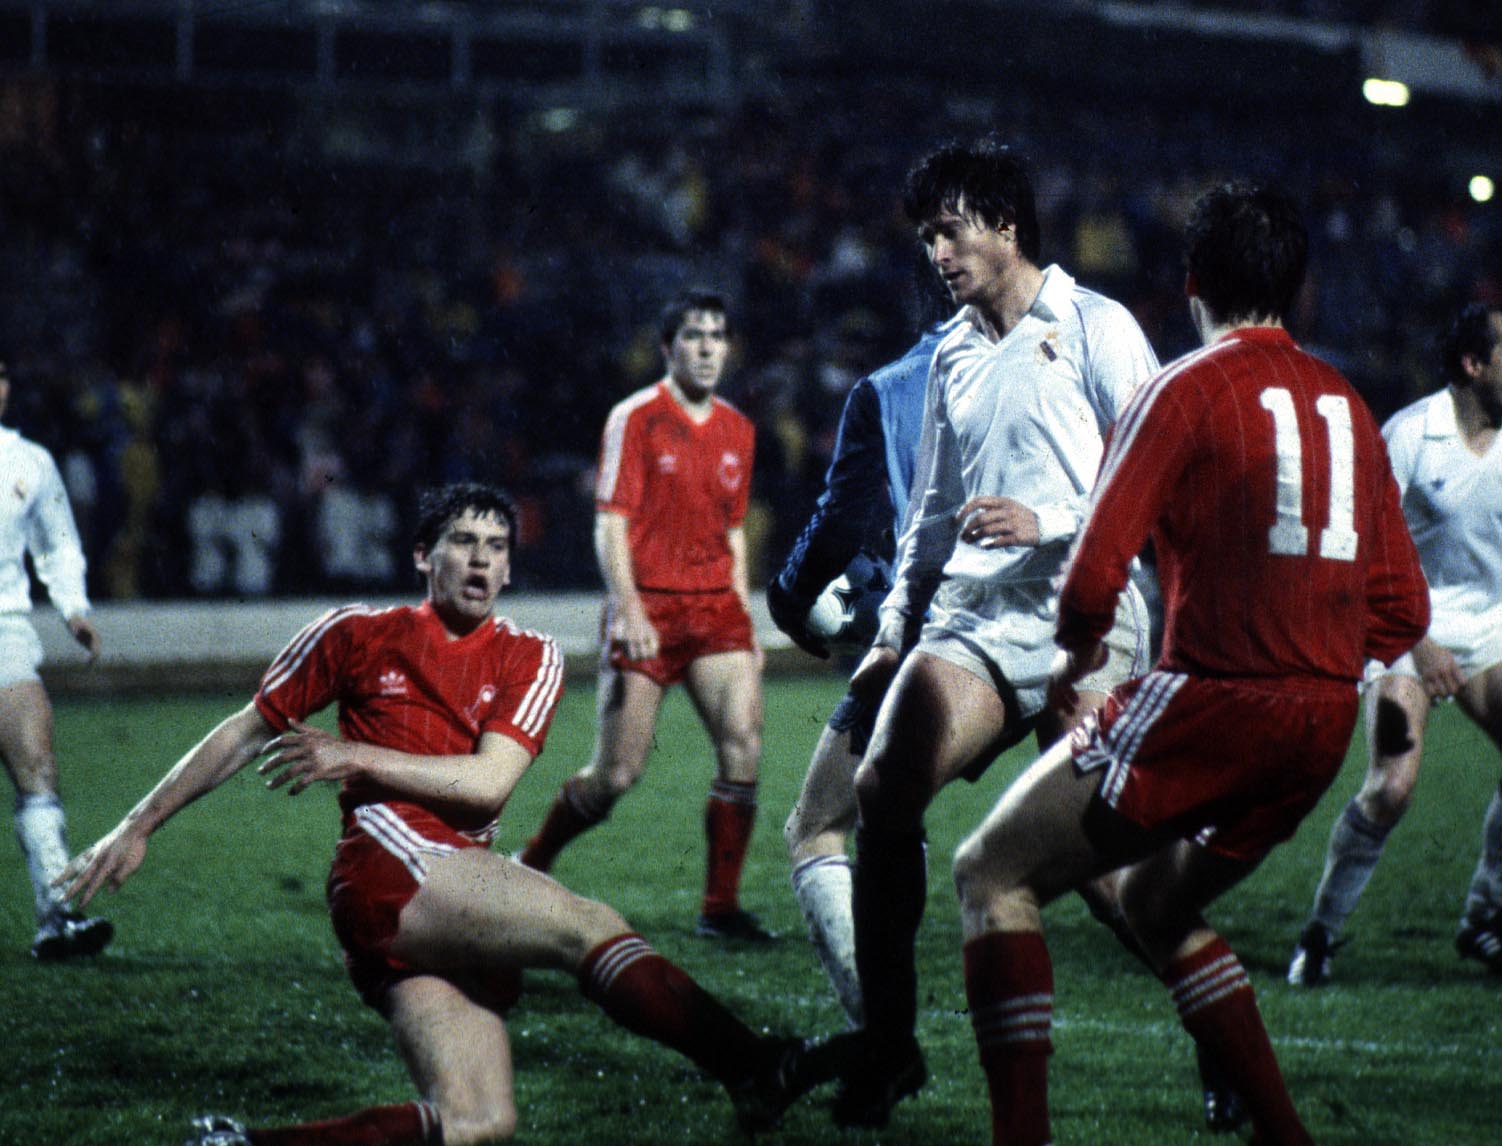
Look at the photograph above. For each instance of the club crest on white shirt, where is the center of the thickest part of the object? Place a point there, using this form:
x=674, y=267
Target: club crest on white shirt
x=393, y=683
x=1048, y=348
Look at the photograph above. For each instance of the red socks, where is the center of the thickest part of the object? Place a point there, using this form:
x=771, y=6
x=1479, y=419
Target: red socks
x=639, y=989
x=1009, y=984
x=567, y=820
x=729, y=816
x=410, y=1124
x=1218, y=1008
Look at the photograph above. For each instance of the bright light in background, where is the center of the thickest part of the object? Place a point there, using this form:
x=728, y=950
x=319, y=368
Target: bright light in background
x=1385, y=93
x=668, y=19
x=559, y=119
x=1482, y=188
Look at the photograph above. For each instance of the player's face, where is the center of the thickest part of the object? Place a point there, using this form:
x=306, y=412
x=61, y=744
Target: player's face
x=696, y=356
x=467, y=568
x=1488, y=381
x=974, y=260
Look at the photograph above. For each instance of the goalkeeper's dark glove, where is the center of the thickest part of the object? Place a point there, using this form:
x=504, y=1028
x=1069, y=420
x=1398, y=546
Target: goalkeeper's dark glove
x=790, y=613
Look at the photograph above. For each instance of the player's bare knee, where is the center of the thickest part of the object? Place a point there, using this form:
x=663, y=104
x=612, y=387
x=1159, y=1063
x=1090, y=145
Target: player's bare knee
x=595, y=922
x=481, y=1128
x=975, y=880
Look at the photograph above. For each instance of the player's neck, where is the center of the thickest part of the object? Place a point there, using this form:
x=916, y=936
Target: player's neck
x=456, y=626
x=1213, y=330
x=1477, y=423
x=1013, y=297
x=697, y=401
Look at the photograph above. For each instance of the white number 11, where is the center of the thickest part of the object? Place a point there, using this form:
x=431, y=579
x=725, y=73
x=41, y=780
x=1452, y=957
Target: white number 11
x=1289, y=535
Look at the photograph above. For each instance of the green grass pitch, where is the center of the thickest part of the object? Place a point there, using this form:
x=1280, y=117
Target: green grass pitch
x=224, y=989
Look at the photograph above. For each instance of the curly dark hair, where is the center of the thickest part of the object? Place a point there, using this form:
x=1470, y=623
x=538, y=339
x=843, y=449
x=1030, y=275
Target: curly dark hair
x=438, y=508
x=1469, y=333
x=678, y=307
x=1246, y=251
x=989, y=176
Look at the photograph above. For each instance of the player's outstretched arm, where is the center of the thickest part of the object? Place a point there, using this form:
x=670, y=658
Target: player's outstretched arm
x=234, y=743
x=303, y=756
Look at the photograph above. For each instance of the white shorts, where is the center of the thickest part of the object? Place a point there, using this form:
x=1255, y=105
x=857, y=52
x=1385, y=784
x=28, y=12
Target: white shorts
x=20, y=650
x=1004, y=635
x=1474, y=640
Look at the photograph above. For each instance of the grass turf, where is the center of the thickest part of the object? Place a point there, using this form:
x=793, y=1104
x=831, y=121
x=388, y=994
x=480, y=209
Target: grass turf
x=224, y=989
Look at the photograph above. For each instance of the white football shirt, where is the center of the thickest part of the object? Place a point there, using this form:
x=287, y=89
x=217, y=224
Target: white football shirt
x=1024, y=417
x=1452, y=501
x=35, y=516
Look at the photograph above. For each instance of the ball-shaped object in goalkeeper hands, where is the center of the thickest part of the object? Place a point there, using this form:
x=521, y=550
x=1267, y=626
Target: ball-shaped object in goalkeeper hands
x=845, y=615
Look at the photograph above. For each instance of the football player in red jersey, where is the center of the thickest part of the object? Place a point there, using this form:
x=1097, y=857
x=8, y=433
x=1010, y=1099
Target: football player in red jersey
x=1264, y=484
x=674, y=484
x=442, y=707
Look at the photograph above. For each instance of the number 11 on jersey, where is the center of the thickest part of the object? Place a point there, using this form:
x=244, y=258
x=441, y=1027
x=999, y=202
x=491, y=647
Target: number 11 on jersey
x=1289, y=536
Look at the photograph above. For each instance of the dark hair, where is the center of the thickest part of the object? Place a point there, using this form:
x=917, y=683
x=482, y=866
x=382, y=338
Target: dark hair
x=990, y=177
x=439, y=508
x=677, y=310
x=1470, y=333
x=1246, y=250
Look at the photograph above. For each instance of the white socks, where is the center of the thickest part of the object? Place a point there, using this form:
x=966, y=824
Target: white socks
x=822, y=886
x=41, y=829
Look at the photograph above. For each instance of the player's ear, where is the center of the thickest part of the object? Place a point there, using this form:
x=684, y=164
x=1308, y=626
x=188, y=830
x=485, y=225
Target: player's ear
x=421, y=559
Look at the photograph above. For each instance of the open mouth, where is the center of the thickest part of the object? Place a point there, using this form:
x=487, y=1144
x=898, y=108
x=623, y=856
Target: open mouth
x=476, y=587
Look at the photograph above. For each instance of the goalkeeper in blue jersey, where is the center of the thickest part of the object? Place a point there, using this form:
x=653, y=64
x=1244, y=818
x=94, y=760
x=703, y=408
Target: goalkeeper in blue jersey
x=864, y=499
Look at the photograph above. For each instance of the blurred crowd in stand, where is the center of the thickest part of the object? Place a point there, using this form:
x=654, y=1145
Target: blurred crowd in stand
x=248, y=342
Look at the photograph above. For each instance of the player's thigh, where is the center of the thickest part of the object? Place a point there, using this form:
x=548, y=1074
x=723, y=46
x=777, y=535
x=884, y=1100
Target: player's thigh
x=936, y=721
x=1481, y=700
x=626, y=706
x=1163, y=897
x=477, y=908
x=458, y=1055
x=726, y=691
x=26, y=737
x=1396, y=713
x=824, y=812
x=1031, y=847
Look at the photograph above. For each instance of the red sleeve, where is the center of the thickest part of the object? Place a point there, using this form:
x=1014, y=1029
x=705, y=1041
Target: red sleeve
x=307, y=674
x=620, y=481
x=743, y=494
x=1147, y=451
x=530, y=691
x=1397, y=595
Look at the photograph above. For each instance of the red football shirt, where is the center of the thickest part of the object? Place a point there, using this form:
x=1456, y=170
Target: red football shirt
x=1266, y=488
x=401, y=683
x=682, y=485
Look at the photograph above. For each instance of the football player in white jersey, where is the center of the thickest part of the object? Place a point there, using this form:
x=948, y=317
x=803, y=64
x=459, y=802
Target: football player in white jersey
x=1022, y=388
x=35, y=518
x=1449, y=466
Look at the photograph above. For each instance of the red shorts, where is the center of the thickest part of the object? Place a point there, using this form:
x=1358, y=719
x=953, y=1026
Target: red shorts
x=1233, y=764
x=380, y=863
x=689, y=626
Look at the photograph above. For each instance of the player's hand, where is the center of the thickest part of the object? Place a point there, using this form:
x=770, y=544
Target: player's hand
x=85, y=634
x=303, y=756
x=790, y=614
x=1070, y=666
x=109, y=863
x=1438, y=669
x=873, y=676
x=630, y=630
x=993, y=522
